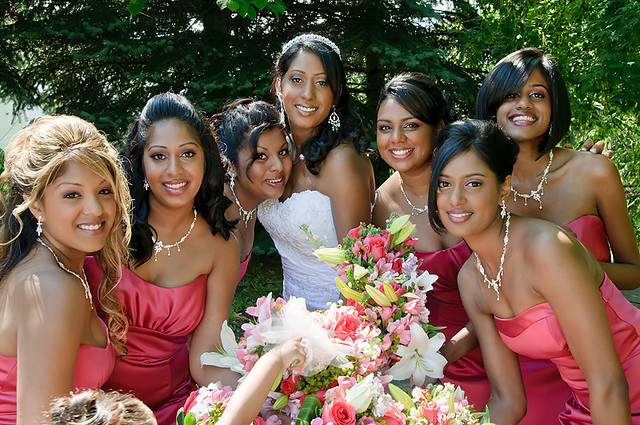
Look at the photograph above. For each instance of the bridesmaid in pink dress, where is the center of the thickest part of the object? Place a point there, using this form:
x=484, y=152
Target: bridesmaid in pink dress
x=66, y=197
x=523, y=283
x=251, y=138
x=411, y=112
x=179, y=286
x=525, y=94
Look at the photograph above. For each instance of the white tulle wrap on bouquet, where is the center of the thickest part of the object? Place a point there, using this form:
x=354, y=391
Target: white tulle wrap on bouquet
x=292, y=320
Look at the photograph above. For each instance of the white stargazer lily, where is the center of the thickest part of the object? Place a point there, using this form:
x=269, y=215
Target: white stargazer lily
x=420, y=358
x=360, y=395
x=226, y=357
x=423, y=282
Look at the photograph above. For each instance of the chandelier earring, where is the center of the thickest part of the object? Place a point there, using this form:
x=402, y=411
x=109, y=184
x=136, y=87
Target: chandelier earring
x=334, y=120
x=503, y=209
x=550, y=129
x=39, y=226
x=145, y=184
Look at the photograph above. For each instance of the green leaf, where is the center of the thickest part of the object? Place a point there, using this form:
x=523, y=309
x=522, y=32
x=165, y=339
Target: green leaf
x=180, y=416
x=136, y=6
x=190, y=419
x=260, y=4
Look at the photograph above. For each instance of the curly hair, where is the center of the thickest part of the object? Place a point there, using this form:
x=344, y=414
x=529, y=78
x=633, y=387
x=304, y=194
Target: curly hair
x=96, y=407
x=241, y=123
x=210, y=201
x=33, y=160
x=316, y=148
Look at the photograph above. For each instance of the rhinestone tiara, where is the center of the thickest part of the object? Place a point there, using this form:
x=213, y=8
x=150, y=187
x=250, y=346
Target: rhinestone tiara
x=311, y=37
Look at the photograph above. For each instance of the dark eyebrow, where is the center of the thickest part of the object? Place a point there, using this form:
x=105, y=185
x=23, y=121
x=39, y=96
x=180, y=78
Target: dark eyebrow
x=411, y=117
x=302, y=72
x=467, y=176
x=77, y=184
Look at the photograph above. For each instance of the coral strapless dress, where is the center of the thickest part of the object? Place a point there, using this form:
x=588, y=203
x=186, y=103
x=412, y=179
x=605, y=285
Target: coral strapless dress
x=537, y=334
x=93, y=367
x=242, y=269
x=445, y=309
x=161, y=320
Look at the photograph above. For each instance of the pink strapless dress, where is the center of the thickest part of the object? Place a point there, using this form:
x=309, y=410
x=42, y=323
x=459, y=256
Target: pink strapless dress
x=537, y=334
x=93, y=367
x=161, y=320
x=445, y=309
x=242, y=269
x=546, y=391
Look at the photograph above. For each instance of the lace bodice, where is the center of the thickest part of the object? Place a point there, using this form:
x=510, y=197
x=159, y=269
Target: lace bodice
x=304, y=275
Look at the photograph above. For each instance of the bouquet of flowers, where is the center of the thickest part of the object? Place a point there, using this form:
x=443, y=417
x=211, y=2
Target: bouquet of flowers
x=354, y=349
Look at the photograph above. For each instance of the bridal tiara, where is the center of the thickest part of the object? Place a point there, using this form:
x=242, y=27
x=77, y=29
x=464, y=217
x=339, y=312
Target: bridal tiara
x=311, y=37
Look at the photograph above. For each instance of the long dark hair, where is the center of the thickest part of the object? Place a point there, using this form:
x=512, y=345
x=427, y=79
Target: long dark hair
x=210, y=200
x=316, y=148
x=483, y=137
x=511, y=74
x=240, y=124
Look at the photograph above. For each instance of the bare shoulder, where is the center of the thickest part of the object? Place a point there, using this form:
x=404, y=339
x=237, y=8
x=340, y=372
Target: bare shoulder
x=385, y=202
x=347, y=159
x=594, y=168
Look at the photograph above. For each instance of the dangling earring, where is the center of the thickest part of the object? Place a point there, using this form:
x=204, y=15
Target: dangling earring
x=550, y=129
x=503, y=210
x=39, y=226
x=146, y=184
x=334, y=120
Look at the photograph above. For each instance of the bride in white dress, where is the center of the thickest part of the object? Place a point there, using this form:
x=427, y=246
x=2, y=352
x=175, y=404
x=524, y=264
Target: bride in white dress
x=332, y=185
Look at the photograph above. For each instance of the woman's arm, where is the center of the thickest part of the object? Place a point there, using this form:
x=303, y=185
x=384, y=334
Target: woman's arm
x=346, y=177
x=52, y=315
x=508, y=402
x=568, y=277
x=460, y=344
x=612, y=209
x=246, y=402
x=221, y=286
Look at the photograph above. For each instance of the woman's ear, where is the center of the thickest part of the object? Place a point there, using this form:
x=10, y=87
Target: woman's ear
x=505, y=188
x=35, y=207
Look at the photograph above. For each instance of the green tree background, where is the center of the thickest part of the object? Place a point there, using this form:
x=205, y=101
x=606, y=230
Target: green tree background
x=102, y=59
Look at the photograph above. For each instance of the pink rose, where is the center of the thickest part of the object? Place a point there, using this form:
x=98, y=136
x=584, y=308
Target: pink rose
x=375, y=247
x=259, y=421
x=191, y=400
x=348, y=326
x=397, y=265
x=355, y=232
x=339, y=412
x=394, y=415
x=410, y=242
x=430, y=411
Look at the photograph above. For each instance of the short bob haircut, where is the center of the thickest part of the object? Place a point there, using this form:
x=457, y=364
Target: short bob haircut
x=240, y=124
x=210, y=201
x=483, y=137
x=511, y=74
x=316, y=149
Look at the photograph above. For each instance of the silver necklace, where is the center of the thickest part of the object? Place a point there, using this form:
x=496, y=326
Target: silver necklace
x=159, y=245
x=497, y=282
x=83, y=279
x=245, y=215
x=415, y=209
x=539, y=191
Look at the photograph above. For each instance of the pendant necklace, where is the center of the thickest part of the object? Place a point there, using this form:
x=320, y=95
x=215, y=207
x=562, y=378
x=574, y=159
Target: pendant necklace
x=82, y=279
x=539, y=191
x=159, y=245
x=414, y=209
x=245, y=215
x=497, y=282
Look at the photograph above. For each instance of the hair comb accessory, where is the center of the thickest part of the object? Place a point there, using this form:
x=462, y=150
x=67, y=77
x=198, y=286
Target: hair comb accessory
x=311, y=37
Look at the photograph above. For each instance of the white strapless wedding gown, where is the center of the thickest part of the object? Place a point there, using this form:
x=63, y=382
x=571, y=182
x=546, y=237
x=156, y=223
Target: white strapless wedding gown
x=304, y=275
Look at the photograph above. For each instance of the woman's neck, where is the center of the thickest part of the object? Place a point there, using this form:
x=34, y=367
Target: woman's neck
x=489, y=244
x=70, y=258
x=301, y=135
x=244, y=198
x=528, y=166
x=416, y=182
x=170, y=220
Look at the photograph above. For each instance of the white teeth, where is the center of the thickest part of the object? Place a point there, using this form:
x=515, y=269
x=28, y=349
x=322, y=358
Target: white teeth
x=400, y=152
x=523, y=118
x=305, y=108
x=460, y=215
x=275, y=181
x=90, y=226
x=175, y=186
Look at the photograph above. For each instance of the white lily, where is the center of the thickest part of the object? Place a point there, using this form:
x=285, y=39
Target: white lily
x=423, y=282
x=226, y=357
x=420, y=358
x=360, y=395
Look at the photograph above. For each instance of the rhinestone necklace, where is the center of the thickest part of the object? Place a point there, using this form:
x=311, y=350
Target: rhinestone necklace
x=245, y=215
x=83, y=279
x=497, y=282
x=539, y=191
x=415, y=209
x=159, y=245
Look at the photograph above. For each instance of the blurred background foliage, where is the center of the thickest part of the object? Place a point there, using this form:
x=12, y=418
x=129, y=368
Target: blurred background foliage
x=102, y=59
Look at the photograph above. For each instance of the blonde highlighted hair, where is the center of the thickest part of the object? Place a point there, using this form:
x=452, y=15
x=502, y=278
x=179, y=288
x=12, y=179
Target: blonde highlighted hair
x=33, y=160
